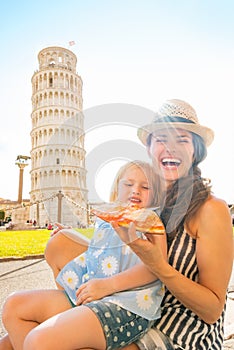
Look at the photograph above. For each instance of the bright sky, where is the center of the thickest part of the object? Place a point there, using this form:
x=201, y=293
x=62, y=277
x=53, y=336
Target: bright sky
x=129, y=52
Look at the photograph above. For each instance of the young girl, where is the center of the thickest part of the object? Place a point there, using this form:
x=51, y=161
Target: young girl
x=99, y=282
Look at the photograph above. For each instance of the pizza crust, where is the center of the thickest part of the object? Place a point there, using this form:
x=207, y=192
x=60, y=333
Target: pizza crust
x=145, y=220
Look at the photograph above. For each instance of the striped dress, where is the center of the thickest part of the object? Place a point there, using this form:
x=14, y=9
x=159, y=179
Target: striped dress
x=185, y=329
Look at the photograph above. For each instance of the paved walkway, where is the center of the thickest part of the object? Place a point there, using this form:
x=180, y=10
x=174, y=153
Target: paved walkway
x=23, y=274
x=35, y=274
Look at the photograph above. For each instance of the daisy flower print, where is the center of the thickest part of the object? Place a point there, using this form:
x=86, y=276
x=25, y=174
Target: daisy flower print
x=81, y=260
x=109, y=265
x=144, y=299
x=70, y=279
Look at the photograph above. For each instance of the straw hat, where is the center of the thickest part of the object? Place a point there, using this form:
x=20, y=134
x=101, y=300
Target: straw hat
x=176, y=114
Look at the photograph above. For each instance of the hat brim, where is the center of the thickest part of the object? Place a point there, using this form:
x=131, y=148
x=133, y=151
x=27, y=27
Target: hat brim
x=206, y=133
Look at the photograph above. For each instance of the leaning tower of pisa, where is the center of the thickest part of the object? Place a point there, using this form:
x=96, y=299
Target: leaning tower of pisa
x=58, y=174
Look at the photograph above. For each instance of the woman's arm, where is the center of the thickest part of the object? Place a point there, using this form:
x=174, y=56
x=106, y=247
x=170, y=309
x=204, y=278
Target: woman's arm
x=214, y=253
x=136, y=276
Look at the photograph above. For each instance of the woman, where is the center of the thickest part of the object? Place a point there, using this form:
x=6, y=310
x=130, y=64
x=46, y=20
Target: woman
x=199, y=231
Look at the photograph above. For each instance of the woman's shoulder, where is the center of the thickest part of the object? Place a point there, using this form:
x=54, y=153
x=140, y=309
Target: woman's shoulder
x=213, y=209
x=214, y=204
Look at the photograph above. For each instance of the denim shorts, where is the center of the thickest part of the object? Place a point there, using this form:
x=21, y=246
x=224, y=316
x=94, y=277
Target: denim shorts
x=120, y=326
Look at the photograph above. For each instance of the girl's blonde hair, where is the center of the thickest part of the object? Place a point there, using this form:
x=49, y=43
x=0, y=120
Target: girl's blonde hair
x=152, y=177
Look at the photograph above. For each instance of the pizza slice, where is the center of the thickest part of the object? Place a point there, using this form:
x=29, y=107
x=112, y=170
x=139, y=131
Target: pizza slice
x=145, y=220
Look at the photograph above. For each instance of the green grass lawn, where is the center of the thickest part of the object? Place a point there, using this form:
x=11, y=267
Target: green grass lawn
x=23, y=243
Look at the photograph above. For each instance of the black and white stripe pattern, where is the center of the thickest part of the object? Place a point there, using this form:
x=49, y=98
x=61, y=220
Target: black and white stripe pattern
x=186, y=330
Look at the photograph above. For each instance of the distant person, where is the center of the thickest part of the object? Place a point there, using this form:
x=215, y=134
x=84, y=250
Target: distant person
x=49, y=226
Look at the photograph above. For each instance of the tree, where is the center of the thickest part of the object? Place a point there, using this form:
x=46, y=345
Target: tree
x=2, y=215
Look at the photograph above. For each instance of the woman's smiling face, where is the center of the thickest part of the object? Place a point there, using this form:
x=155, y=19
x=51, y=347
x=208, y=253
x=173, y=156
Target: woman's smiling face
x=171, y=151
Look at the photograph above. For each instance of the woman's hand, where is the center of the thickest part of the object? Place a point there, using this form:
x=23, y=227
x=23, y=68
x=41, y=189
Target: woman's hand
x=59, y=227
x=127, y=235
x=94, y=289
x=149, y=249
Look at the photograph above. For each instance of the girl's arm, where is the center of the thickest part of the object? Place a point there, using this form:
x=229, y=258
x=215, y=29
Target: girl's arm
x=135, y=276
x=214, y=253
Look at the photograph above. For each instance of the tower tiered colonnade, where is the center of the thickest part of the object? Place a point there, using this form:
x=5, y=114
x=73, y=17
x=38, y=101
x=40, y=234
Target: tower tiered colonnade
x=58, y=173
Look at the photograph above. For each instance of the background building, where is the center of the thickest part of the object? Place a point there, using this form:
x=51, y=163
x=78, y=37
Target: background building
x=58, y=173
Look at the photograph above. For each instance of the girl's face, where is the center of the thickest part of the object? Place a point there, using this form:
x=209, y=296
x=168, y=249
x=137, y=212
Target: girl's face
x=134, y=187
x=171, y=151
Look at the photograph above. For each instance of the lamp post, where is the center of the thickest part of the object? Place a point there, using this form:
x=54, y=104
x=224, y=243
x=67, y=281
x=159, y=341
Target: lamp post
x=22, y=162
x=60, y=196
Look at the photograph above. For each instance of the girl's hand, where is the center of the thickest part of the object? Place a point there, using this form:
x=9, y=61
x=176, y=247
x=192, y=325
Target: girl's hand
x=59, y=227
x=94, y=289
